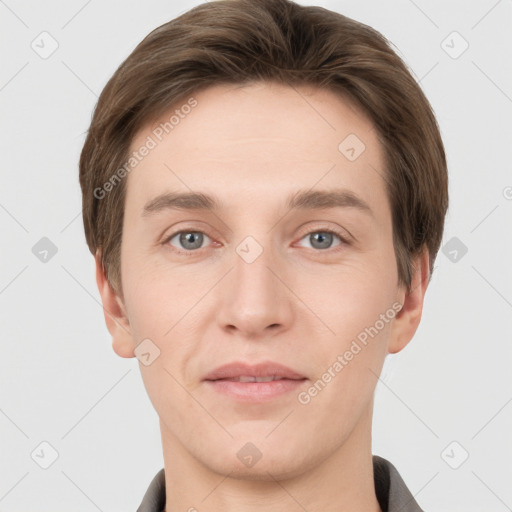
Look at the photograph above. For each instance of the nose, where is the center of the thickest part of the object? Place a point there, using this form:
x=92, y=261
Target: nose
x=254, y=300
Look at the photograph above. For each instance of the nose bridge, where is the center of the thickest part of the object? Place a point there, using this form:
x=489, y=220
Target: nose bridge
x=254, y=283
x=253, y=298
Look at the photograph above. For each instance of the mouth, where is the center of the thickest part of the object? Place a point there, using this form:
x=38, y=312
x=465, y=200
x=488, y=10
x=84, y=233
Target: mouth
x=250, y=378
x=268, y=370
x=254, y=383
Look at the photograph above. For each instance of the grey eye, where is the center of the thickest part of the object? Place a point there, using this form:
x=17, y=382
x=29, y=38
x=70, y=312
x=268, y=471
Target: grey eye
x=189, y=240
x=321, y=239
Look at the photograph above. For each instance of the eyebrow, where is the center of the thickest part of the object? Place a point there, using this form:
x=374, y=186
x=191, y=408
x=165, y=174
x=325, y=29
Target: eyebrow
x=301, y=200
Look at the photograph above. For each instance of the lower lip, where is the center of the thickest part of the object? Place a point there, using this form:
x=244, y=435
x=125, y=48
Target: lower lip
x=255, y=391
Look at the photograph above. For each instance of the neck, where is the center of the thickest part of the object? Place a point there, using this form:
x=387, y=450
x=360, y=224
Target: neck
x=343, y=482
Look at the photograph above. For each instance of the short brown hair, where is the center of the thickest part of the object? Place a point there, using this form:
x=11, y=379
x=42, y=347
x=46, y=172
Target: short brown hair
x=242, y=41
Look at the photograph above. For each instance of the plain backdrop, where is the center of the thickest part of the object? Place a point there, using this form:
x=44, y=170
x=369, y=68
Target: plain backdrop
x=443, y=405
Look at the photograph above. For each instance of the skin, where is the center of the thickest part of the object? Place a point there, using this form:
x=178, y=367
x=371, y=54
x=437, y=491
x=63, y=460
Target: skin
x=296, y=304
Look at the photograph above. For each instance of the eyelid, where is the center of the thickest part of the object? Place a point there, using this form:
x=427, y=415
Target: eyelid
x=175, y=229
x=345, y=235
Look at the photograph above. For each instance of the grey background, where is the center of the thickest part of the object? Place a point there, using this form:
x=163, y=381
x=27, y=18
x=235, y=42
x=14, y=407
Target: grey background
x=60, y=381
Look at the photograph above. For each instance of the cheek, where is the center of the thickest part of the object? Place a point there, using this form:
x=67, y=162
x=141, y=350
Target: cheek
x=359, y=309
x=152, y=296
x=347, y=373
x=353, y=299
x=164, y=305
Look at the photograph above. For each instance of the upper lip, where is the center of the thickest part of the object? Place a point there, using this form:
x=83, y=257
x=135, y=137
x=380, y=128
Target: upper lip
x=265, y=369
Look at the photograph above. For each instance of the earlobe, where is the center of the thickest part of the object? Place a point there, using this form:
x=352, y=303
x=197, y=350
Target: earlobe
x=408, y=318
x=115, y=313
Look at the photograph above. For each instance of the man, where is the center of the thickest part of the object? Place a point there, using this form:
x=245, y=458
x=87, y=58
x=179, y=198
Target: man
x=264, y=190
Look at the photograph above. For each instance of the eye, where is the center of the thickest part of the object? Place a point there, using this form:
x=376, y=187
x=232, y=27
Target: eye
x=187, y=241
x=190, y=241
x=323, y=239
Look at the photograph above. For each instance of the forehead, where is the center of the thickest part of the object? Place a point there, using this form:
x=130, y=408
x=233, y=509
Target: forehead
x=255, y=141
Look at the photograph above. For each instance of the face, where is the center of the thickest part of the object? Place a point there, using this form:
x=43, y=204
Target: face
x=288, y=261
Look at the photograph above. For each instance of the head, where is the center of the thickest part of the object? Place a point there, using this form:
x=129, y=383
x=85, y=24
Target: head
x=256, y=126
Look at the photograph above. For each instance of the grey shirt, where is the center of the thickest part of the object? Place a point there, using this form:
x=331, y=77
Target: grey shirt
x=392, y=493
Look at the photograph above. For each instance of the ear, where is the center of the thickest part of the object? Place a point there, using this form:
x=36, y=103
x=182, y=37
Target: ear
x=408, y=318
x=115, y=313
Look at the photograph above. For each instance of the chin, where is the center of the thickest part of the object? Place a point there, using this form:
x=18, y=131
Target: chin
x=260, y=472
x=269, y=463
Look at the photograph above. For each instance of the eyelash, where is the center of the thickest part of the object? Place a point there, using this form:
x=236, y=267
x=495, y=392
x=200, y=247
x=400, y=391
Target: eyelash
x=332, y=231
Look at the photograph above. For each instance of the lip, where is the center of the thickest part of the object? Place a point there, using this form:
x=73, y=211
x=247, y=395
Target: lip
x=258, y=392
x=265, y=369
